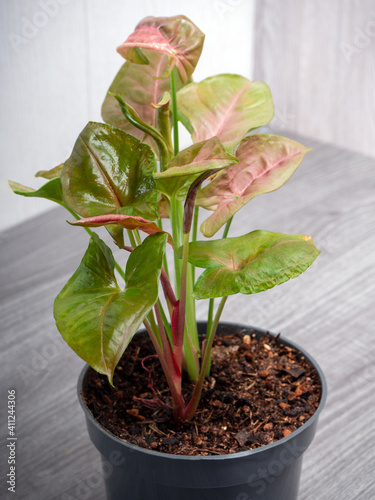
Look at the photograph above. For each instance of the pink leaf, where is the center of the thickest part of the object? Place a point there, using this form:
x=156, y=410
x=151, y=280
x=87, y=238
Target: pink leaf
x=175, y=36
x=140, y=87
x=125, y=221
x=266, y=162
x=227, y=106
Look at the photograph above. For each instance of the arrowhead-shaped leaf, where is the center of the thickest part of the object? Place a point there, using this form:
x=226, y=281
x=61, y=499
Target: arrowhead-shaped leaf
x=177, y=37
x=188, y=164
x=95, y=317
x=109, y=171
x=51, y=190
x=125, y=221
x=266, y=162
x=251, y=263
x=225, y=105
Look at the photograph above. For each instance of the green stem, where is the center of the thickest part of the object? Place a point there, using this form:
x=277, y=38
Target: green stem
x=176, y=146
x=212, y=301
x=163, y=121
x=227, y=226
x=178, y=341
x=133, y=118
x=137, y=237
x=209, y=326
x=154, y=326
x=131, y=238
x=176, y=228
x=165, y=260
x=119, y=270
x=165, y=323
x=210, y=314
x=195, y=224
x=194, y=238
x=194, y=401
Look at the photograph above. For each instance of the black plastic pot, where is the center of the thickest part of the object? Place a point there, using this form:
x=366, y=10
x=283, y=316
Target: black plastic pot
x=268, y=473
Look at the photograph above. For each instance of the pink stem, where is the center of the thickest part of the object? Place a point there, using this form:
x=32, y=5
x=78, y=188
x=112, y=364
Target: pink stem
x=167, y=288
x=170, y=373
x=177, y=334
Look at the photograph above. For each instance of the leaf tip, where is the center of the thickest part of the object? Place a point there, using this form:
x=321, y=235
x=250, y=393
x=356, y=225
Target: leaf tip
x=110, y=378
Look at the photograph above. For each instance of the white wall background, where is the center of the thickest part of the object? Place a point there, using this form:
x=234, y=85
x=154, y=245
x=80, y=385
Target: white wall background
x=57, y=60
x=318, y=57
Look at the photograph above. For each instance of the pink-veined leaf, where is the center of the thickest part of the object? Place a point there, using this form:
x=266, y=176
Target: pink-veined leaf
x=140, y=86
x=224, y=105
x=177, y=37
x=266, y=162
x=125, y=221
x=250, y=263
x=189, y=164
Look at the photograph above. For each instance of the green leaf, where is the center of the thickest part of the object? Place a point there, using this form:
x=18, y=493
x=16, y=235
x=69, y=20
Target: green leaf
x=189, y=164
x=266, y=162
x=224, y=105
x=50, y=174
x=95, y=317
x=177, y=37
x=109, y=171
x=50, y=190
x=251, y=263
x=140, y=86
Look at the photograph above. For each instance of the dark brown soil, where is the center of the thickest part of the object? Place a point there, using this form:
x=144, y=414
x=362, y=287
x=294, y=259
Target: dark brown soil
x=258, y=392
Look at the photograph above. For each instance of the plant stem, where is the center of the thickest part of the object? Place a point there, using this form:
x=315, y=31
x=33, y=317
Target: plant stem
x=227, y=226
x=176, y=228
x=178, y=401
x=195, y=224
x=176, y=146
x=131, y=238
x=154, y=326
x=133, y=118
x=210, y=313
x=194, y=401
x=178, y=339
x=212, y=301
x=165, y=261
x=194, y=238
x=165, y=322
x=163, y=121
x=137, y=237
x=211, y=305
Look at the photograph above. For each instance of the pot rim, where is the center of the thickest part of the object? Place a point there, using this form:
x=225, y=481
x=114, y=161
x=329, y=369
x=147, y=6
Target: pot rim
x=228, y=456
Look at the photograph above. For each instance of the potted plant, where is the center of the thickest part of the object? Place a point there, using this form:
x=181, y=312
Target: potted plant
x=128, y=175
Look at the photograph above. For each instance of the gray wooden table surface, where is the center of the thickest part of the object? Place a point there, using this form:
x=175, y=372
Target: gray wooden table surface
x=329, y=310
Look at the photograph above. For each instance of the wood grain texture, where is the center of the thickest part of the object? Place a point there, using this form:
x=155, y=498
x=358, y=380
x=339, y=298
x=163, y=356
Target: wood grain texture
x=319, y=60
x=329, y=310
